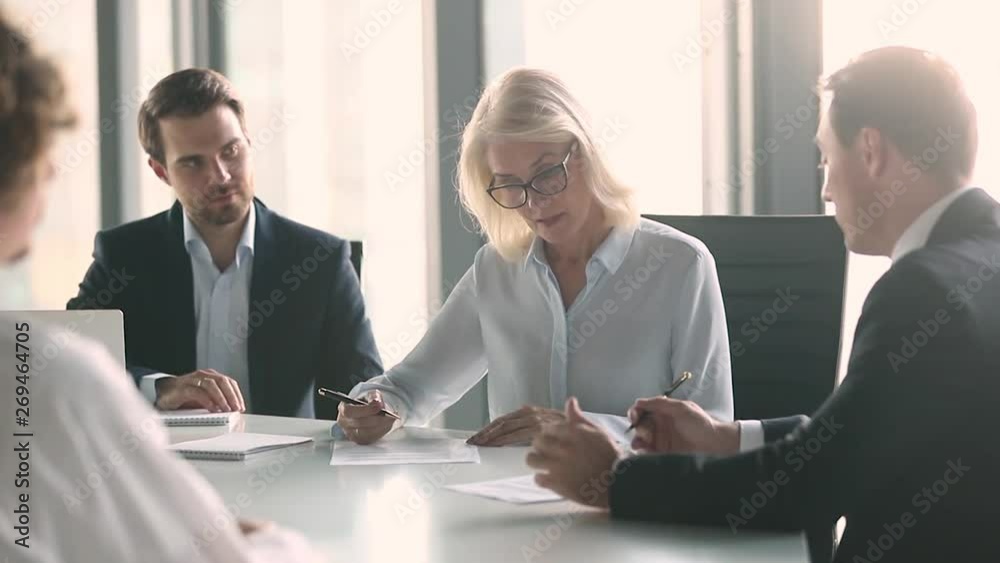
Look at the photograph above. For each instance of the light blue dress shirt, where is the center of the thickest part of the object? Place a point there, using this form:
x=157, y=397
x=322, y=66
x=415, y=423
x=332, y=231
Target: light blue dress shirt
x=221, y=308
x=651, y=309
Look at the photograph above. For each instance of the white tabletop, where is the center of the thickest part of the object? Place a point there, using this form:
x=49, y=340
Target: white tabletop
x=400, y=514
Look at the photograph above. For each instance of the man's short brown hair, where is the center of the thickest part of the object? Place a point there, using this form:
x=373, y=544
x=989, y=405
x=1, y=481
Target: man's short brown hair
x=186, y=93
x=916, y=100
x=33, y=104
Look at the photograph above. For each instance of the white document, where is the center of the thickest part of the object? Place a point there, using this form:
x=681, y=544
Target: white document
x=235, y=446
x=404, y=451
x=517, y=490
x=198, y=417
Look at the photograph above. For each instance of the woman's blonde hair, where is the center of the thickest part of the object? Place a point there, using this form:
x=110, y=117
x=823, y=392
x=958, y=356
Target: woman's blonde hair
x=531, y=105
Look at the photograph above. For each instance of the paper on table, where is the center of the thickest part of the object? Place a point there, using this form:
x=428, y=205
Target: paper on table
x=404, y=451
x=517, y=490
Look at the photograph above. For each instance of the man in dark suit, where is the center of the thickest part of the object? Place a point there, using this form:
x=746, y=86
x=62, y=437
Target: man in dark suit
x=228, y=305
x=906, y=448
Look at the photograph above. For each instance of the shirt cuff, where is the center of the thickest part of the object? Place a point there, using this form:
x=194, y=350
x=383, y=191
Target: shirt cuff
x=751, y=435
x=148, y=385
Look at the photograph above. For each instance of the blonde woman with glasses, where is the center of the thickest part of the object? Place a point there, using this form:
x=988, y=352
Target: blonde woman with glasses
x=574, y=295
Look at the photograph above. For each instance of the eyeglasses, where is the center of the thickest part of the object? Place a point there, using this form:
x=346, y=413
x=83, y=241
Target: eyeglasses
x=548, y=182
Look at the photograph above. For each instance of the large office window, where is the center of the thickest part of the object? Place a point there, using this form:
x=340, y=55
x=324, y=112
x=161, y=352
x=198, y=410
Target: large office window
x=155, y=58
x=956, y=30
x=636, y=67
x=334, y=92
x=64, y=241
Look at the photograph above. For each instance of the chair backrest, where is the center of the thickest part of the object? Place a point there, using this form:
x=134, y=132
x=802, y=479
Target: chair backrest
x=782, y=280
x=357, y=253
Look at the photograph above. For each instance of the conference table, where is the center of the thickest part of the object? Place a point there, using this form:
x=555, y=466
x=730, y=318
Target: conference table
x=402, y=513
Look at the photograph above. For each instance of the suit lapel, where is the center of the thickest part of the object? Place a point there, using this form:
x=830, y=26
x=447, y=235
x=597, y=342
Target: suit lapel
x=972, y=211
x=264, y=279
x=179, y=294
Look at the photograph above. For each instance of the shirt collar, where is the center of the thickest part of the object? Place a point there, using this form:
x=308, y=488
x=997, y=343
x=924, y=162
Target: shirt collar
x=192, y=238
x=615, y=247
x=611, y=253
x=915, y=236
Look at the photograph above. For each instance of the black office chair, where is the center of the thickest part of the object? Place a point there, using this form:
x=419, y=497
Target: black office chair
x=357, y=253
x=791, y=367
x=784, y=363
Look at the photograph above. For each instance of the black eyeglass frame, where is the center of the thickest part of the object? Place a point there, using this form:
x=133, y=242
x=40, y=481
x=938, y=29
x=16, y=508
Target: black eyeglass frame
x=531, y=183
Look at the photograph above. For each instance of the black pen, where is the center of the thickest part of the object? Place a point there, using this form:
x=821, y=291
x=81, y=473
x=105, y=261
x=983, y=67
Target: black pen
x=338, y=396
x=684, y=377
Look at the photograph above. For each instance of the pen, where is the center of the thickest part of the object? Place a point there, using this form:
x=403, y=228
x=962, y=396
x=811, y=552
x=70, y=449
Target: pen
x=338, y=396
x=684, y=377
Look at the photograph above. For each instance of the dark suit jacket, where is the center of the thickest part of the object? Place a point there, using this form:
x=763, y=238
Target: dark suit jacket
x=313, y=330
x=907, y=448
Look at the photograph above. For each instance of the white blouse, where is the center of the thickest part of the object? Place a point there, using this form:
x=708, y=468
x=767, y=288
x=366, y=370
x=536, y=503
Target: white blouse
x=651, y=309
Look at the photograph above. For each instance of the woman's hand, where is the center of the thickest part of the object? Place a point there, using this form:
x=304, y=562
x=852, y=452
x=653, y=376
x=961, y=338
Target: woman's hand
x=518, y=427
x=364, y=424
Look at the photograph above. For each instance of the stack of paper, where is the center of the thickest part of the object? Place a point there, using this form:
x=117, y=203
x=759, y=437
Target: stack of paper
x=404, y=451
x=517, y=490
x=235, y=446
x=198, y=417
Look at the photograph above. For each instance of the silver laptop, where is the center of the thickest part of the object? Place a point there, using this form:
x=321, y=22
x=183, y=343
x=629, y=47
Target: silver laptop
x=104, y=327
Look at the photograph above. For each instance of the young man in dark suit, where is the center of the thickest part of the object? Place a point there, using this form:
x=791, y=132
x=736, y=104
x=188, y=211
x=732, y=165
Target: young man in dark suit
x=907, y=447
x=228, y=305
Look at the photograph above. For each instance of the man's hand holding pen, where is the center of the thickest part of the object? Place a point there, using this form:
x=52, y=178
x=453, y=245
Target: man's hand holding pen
x=665, y=425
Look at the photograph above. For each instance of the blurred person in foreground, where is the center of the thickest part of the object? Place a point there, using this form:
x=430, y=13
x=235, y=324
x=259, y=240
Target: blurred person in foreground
x=101, y=487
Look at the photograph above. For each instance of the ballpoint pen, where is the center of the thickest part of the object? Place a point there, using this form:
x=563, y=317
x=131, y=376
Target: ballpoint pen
x=338, y=396
x=680, y=380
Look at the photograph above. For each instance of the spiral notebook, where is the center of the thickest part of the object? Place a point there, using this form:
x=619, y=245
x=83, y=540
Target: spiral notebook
x=235, y=446
x=198, y=417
